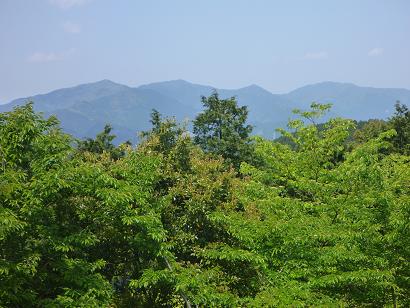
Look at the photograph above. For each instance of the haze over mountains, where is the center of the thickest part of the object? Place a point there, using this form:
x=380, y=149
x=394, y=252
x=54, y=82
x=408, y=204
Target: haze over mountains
x=85, y=109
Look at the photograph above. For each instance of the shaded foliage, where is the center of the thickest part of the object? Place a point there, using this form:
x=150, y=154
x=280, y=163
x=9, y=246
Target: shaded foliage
x=103, y=142
x=400, y=122
x=321, y=222
x=221, y=129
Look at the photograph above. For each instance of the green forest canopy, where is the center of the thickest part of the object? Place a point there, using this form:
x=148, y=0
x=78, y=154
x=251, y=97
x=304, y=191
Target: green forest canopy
x=220, y=219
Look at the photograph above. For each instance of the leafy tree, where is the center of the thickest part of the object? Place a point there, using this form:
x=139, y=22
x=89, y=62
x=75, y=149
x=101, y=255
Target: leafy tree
x=310, y=223
x=369, y=130
x=221, y=129
x=102, y=143
x=164, y=133
x=206, y=264
x=400, y=122
x=19, y=132
x=70, y=227
x=329, y=229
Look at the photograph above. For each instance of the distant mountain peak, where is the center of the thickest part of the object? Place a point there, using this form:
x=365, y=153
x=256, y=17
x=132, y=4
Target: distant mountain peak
x=335, y=83
x=84, y=109
x=254, y=87
x=329, y=84
x=341, y=86
x=104, y=81
x=102, y=84
x=178, y=82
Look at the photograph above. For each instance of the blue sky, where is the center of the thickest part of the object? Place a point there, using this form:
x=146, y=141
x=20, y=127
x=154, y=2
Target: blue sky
x=279, y=45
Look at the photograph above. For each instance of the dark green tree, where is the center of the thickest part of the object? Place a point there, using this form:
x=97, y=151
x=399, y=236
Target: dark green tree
x=221, y=129
x=103, y=142
x=165, y=131
x=400, y=122
x=368, y=130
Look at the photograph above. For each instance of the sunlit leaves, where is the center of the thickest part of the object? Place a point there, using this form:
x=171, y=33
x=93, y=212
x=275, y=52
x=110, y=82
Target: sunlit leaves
x=316, y=222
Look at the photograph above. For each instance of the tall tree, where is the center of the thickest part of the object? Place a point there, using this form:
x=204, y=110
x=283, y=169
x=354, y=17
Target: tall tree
x=401, y=123
x=164, y=133
x=103, y=142
x=221, y=129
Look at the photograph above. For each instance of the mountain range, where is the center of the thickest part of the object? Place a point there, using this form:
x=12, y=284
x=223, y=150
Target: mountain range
x=84, y=110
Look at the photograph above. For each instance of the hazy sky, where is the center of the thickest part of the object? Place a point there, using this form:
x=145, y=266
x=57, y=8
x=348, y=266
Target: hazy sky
x=279, y=45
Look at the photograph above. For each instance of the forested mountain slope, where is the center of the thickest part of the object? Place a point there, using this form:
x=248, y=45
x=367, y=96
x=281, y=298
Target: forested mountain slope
x=85, y=109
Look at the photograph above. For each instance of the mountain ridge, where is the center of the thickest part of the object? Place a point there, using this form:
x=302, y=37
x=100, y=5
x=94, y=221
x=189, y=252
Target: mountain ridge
x=108, y=81
x=84, y=109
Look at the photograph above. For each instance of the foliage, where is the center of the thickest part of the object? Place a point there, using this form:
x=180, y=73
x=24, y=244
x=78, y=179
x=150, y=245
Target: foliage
x=328, y=222
x=220, y=129
x=103, y=142
x=192, y=188
x=401, y=123
x=369, y=130
x=314, y=223
x=69, y=226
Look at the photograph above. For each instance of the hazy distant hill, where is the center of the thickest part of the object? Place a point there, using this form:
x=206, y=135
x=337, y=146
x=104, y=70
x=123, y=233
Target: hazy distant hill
x=266, y=110
x=350, y=100
x=66, y=97
x=83, y=110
